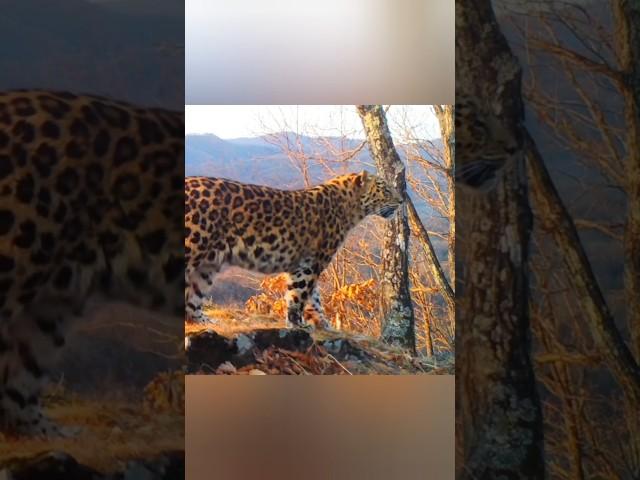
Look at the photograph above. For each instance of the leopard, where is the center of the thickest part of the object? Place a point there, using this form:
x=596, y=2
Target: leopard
x=90, y=208
x=485, y=146
x=269, y=230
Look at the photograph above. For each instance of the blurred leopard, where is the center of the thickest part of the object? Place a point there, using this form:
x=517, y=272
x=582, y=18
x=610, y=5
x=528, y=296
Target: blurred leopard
x=484, y=146
x=90, y=204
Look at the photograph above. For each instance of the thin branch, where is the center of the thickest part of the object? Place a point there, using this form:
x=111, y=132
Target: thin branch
x=436, y=269
x=580, y=60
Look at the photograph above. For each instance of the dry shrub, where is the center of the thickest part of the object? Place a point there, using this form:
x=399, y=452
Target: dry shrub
x=350, y=306
x=271, y=300
x=165, y=393
x=261, y=303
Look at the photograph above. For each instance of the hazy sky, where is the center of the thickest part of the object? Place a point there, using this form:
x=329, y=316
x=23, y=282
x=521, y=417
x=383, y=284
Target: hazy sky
x=233, y=121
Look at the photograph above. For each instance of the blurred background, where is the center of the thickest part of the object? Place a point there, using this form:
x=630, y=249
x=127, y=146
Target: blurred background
x=132, y=50
x=330, y=52
x=113, y=378
x=374, y=428
x=560, y=81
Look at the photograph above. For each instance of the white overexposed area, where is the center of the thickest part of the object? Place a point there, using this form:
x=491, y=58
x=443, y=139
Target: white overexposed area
x=236, y=121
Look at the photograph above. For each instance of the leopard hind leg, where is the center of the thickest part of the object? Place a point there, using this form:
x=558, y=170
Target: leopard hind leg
x=316, y=306
x=301, y=284
x=199, y=283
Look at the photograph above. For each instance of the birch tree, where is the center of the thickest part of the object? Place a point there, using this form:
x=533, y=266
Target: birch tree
x=399, y=324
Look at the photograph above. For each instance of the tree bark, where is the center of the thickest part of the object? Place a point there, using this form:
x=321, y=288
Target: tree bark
x=499, y=408
x=399, y=324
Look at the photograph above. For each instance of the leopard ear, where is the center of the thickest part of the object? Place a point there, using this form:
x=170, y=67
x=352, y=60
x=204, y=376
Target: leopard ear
x=361, y=178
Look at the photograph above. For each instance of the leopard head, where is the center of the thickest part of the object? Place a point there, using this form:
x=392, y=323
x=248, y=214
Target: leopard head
x=376, y=196
x=485, y=145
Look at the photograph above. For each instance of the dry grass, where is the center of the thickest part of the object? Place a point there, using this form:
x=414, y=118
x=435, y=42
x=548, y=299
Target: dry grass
x=231, y=321
x=113, y=433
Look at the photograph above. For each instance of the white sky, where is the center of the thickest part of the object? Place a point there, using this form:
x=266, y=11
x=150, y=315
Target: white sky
x=234, y=121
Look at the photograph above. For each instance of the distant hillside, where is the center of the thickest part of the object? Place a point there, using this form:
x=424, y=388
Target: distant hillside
x=89, y=47
x=257, y=160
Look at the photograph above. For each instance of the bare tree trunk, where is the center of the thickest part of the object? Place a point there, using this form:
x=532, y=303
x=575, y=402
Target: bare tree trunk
x=399, y=325
x=501, y=419
x=627, y=19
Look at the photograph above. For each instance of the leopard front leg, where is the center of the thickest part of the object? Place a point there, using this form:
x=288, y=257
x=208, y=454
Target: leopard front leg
x=300, y=286
x=29, y=344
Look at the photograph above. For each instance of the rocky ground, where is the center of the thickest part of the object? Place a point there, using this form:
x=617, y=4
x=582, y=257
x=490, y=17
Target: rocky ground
x=115, y=437
x=54, y=465
x=258, y=345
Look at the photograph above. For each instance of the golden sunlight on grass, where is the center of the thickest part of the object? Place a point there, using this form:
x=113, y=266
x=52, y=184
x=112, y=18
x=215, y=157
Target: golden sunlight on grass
x=231, y=321
x=112, y=433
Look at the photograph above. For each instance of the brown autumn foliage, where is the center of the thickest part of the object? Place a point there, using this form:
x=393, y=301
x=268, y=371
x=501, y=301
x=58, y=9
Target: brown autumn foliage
x=338, y=304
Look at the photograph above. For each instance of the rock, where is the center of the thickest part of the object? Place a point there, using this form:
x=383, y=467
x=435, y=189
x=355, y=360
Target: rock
x=208, y=350
x=226, y=367
x=294, y=351
x=51, y=466
x=345, y=349
x=167, y=467
x=61, y=466
x=244, y=344
x=297, y=340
